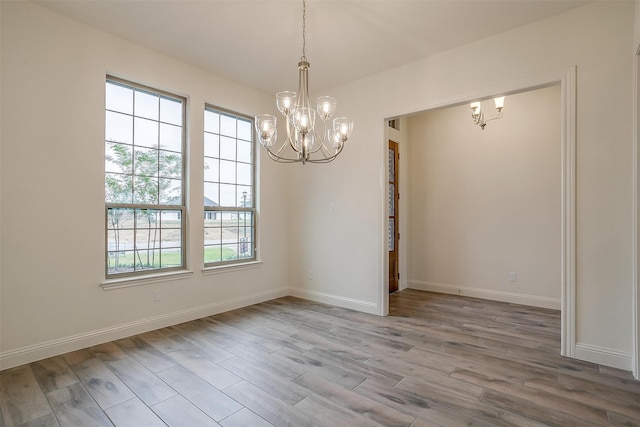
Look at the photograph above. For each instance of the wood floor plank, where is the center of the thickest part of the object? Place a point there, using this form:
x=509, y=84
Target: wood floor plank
x=332, y=414
x=133, y=413
x=245, y=418
x=46, y=421
x=435, y=411
x=149, y=356
x=313, y=364
x=21, y=397
x=541, y=414
x=280, y=366
x=206, y=397
x=103, y=385
x=73, y=406
x=355, y=402
x=147, y=386
x=540, y=399
x=53, y=373
x=275, y=385
x=205, y=369
x=179, y=412
x=272, y=409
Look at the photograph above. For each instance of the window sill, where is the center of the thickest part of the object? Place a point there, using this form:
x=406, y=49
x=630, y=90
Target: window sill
x=231, y=267
x=127, y=282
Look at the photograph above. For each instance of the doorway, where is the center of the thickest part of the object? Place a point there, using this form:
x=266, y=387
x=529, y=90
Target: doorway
x=566, y=78
x=394, y=235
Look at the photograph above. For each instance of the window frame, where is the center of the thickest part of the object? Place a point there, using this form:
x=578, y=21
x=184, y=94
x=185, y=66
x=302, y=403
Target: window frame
x=181, y=208
x=238, y=262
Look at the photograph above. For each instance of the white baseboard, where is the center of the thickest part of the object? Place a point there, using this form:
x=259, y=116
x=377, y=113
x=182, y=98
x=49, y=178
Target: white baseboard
x=511, y=297
x=51, y=348
x=604, y=356
x=339, y=301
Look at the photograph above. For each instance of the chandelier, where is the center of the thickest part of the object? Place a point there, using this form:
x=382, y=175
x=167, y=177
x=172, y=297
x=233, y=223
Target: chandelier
x=477, y=112
x=312, y=137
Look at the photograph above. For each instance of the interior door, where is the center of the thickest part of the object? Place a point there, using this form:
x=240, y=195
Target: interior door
x=394, y=236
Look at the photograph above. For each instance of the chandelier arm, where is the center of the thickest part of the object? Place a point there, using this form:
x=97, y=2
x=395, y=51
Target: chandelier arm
x=279, y=159
x=499, y=116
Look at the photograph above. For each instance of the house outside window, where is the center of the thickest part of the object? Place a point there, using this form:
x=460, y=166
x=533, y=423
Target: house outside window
x=144, y=180
x=229, y=188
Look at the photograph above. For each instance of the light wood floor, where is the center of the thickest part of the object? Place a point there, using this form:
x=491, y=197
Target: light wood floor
x=437, y=360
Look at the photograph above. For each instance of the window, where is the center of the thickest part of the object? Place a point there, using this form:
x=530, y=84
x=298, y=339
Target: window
x=144, y=180
x=229, y=190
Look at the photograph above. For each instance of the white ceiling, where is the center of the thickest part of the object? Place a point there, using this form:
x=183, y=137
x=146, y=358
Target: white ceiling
x=259, y=42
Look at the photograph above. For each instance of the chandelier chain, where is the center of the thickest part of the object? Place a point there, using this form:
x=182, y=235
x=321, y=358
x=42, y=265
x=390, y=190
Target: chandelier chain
x=304, y=30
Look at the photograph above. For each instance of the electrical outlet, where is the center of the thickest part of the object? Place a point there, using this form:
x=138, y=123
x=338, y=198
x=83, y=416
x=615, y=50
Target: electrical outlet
x=332, y=208
x=513, y=277
x=157, y=296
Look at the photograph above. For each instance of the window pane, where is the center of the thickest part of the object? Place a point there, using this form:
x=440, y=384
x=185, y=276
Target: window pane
x=392, y=199
x=170, y=111
x=392, y=237
x=147, y=218
x=212, y=235
x=243, y=194
x=120, y=262
x=227, y=171
x=170, y=258
x=147, y=239
x=227, y=148
x=244, y=174
x=145, y=132
x=118, y=128
x=212, y=253
x=171, y=137
x=170, y=192
x=244, y=151
x=171, y=238
x=229, y=252
x=118, y=188
x=146, y=105
x=145, y=161
x=118, y=158
x=211, y=194
x=227, y=195
x=147, y=259
x=211, y=145
x=119, y=98
x=211, y=122
x=170, y=164
x=227, y=125
x=145, y=190
x=119, y=218
x=244, y=130
x=211, y=169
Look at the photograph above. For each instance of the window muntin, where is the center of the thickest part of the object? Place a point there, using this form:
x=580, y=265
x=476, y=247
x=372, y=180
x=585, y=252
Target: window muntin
x=144, y=179
x=229, y=188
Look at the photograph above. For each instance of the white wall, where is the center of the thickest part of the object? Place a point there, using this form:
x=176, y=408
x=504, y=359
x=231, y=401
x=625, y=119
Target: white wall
x=53, y=79
x=483, y=203
x=597, y=39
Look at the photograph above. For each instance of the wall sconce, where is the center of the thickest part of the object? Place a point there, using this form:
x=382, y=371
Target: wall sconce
x=477, y=112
